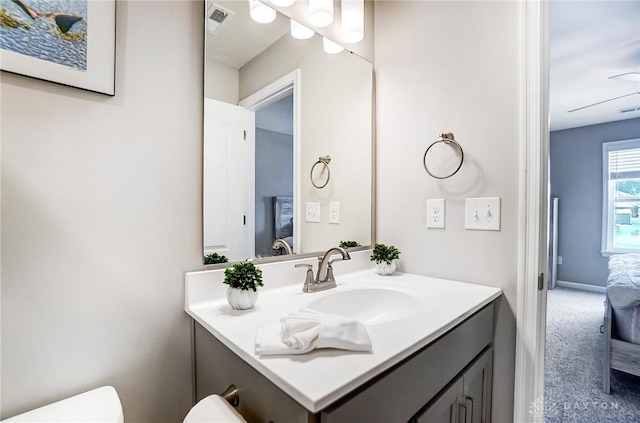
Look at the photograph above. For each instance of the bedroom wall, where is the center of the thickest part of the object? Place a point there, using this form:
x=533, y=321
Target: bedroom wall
x=452, y=67
x=275, y=152
x=576, y=179
x=101, y=216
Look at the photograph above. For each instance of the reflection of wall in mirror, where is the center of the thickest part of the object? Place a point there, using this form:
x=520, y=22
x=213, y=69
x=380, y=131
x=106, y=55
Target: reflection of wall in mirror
x=221, y=82
x=336, y=120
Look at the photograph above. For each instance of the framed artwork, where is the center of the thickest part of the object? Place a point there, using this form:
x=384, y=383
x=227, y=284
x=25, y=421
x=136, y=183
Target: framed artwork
x=69, y=42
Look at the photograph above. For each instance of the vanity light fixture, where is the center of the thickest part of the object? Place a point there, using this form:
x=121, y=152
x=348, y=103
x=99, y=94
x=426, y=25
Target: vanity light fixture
x=283, y=3
x=260, y=12
x=321, y=12
x=352, y=21
x=300, y=31
x=331, y=47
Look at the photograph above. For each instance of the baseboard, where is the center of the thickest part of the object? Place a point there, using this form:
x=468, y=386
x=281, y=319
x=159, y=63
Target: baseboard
x=582, y=286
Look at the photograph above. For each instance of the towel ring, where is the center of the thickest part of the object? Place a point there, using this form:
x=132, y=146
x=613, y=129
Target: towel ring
x=324, y=160
x=448, y=139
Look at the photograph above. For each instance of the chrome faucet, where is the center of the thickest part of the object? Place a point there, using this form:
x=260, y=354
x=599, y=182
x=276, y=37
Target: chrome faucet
x=281, y=243
x=324, y=278
x=325, y=270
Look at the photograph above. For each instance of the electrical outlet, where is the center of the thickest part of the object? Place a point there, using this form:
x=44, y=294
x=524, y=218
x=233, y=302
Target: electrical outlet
x=334, y=212
x=312, y=212
x=559, y=259
x=482, y=214
x=435, y=213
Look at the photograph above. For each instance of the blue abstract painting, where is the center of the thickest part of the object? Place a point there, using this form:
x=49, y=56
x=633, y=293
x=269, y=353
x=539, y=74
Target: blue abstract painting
x=51, y=30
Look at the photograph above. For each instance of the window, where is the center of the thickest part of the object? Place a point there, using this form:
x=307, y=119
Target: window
x=621, y=197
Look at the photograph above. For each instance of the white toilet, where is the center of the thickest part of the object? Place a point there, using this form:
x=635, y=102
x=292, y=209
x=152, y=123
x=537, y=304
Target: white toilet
x=102, y=405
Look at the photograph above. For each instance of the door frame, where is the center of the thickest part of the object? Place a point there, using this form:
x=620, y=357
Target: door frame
x=533, y=205
x=289, y=83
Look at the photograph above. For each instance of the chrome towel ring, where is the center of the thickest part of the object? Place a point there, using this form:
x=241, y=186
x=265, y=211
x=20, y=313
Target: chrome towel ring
x=324, y=160
x=448, y=139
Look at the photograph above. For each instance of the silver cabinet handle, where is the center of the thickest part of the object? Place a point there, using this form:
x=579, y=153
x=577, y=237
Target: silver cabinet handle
x=470, y=399
x=462, y=406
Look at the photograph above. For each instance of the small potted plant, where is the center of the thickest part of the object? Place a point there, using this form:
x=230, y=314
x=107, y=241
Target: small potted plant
x=215, y=258
x=243, y=279
x=385, y=257
x=349, y=244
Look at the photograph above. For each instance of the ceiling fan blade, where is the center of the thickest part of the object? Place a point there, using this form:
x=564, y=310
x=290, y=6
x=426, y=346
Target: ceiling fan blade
x=604, y=101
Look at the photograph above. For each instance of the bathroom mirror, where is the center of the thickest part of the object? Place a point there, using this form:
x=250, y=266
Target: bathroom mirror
x=274, y=106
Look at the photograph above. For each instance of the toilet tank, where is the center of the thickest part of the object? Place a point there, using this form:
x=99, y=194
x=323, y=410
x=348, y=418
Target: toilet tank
x=101, y=405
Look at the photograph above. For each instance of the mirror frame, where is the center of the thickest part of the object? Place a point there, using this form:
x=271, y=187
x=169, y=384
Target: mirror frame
x=297, y=256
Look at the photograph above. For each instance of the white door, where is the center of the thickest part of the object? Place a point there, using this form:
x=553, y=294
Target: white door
x=226, y=172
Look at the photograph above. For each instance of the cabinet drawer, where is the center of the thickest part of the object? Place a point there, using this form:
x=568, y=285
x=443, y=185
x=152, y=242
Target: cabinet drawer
x=401, y=391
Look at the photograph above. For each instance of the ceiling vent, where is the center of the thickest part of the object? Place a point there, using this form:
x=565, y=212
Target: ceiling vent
x=216, y=15
x=630, y=109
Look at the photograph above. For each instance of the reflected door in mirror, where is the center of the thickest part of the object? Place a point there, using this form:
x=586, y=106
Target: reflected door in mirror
x=225, y=177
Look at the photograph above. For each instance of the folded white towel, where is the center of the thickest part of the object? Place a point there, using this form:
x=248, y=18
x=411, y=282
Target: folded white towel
x=307, y=329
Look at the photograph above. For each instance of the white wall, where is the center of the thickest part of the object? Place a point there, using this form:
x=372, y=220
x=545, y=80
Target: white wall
x=451, y=67
x=102, y=215
x=221, y=82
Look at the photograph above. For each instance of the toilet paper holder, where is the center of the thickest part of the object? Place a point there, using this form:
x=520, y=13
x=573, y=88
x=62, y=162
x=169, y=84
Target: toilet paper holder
x=231, y=395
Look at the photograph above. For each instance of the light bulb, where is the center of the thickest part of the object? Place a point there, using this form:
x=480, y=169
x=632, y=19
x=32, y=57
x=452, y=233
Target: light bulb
x=321, y=12
x=331, y=47
x=352, y=21
x=300, y=31
x=260, y=12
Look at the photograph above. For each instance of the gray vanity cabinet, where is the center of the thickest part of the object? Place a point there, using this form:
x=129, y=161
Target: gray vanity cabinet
x=434, y=384
x=445, y=408
x=467, y=399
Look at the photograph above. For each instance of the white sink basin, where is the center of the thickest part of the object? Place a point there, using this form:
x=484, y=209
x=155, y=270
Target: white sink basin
x=371, y=306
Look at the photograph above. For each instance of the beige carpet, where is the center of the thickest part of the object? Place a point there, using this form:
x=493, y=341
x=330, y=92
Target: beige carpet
x=574, y=364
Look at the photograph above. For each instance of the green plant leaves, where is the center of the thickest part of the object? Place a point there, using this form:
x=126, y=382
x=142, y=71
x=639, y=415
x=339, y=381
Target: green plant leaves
x=384, y=253
x=244, y=275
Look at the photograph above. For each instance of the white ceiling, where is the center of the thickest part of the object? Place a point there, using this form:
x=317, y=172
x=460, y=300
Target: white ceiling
x=590, y=41
x=239, y=39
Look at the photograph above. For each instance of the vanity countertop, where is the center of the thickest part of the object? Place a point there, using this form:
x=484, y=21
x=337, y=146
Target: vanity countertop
x=443, y=304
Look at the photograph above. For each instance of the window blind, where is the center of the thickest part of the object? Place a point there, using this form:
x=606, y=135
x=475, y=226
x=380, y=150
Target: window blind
x=624, y=164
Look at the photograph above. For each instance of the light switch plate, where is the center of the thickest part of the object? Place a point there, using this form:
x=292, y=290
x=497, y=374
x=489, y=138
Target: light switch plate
x=334, y=212
x=436, y=213
x=482, y=214
x=312, y=212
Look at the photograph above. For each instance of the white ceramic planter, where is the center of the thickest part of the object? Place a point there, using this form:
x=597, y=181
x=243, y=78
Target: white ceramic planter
x=240, y=299
x=385, y=269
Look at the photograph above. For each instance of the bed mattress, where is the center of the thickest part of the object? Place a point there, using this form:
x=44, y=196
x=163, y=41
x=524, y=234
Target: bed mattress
x=623, y=284
x=623, y=289
x=628, y=324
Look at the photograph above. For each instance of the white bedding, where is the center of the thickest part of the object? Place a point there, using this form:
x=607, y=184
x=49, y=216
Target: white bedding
x=623, y=283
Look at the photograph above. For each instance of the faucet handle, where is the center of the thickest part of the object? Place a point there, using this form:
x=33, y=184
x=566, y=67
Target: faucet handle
x=308, y=280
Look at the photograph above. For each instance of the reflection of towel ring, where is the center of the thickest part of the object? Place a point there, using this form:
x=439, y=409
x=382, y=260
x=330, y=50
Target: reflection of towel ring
x=324, y=160
x=448, y=139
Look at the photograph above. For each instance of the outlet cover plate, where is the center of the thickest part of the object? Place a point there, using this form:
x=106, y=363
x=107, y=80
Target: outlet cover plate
x=482, y=214
x=312, y=212
x=334, y=212
x=436, y=213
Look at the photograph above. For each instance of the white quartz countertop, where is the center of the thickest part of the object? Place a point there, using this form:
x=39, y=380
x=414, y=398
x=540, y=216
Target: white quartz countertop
x=321, y=377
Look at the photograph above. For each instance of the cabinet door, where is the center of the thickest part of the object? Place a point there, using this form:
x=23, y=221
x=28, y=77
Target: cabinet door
x=445, y=408
x=477, y=388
